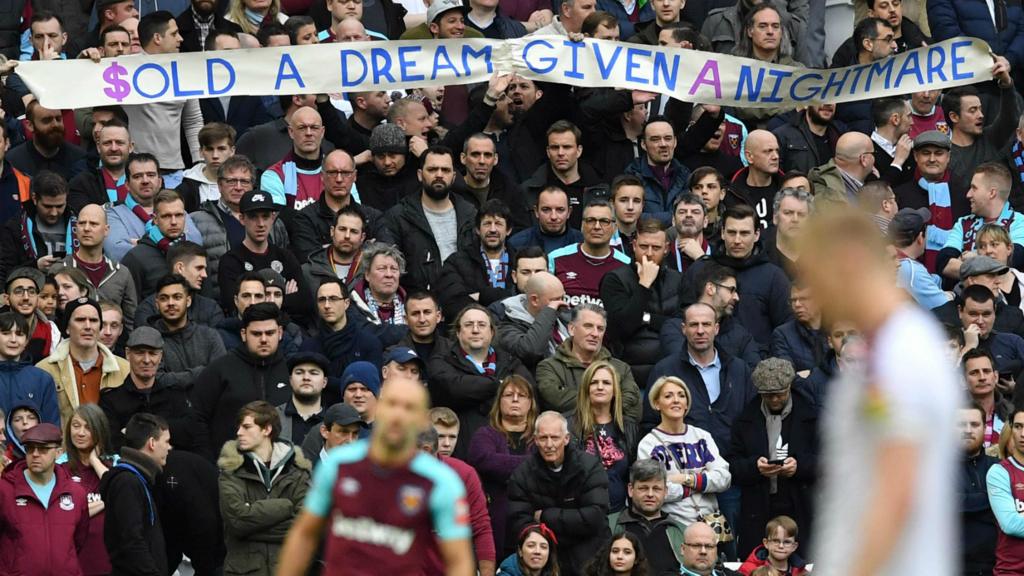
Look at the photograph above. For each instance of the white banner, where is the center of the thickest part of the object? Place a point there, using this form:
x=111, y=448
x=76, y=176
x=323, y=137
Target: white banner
x=362, y=66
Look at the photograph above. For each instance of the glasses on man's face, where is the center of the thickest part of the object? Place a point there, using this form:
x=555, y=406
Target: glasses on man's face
x=40, y=448
x=787, y=543
x=334, y=174
x=696, y=546
x=21, y=291
x=598, y=222
x=237, y=181
x=730, y=289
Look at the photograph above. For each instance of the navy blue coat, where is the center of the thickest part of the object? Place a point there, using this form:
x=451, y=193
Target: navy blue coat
x=244, y=112
x=732, y=337
x=736, y=392
x=804, y=347
x=626, y=28
x=979, y=524
x=949, y=19
x=657, y=200
x=23, y=384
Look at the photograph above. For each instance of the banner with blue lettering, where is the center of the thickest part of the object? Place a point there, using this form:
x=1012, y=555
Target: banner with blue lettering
x=331, y=68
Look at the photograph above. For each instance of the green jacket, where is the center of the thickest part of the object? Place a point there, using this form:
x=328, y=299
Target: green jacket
x=673, y=529
x=258, y=507
x=828, y=185
x=559, y=377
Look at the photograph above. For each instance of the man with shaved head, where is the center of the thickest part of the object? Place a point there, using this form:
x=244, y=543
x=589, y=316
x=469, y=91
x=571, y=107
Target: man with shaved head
x=113, y=282
x=757, y=184
x=532, y=326
x=294, y=181
x=353, y=508
x=350, y=29
x=841, y=178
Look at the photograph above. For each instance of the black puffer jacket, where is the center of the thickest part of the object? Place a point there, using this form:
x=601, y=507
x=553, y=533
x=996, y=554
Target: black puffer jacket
x=638, y=313
x=456, y=383
x=573, y=503
x=407, y=225
x=798, y=149
x=230, y=382
x=465, y=273
x=169, y=402
x=312, y=229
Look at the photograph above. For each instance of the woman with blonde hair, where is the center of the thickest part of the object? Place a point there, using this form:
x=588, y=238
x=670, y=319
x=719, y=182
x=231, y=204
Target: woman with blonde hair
x=696, y=469
x=598, y=428
x=250, y=15
x=500, y=447
x=994, y=241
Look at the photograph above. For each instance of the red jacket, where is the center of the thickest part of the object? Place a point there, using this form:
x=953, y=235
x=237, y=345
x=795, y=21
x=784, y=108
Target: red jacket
x=759, y=557
x=483, y=538
x=38, y=541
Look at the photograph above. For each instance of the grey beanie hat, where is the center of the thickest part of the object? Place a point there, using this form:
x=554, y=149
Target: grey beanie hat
x=387, y=138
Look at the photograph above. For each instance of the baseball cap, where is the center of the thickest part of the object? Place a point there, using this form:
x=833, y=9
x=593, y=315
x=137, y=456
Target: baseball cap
x=342, y=414
x=908, y=223
x=364, y=373
x=439, y=7
x=145, y=337
x=257, y=200
x=28, y=273
x=932, y=138
x=403, y=354
x=979, y=265
x=309, y=358
x=43, y=433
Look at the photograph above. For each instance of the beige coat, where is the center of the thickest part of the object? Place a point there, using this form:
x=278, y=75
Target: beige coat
x=58, y=365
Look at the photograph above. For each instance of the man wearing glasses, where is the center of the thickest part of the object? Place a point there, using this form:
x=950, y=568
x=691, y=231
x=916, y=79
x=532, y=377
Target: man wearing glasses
x=580, y=267
x=841, y=178
x=314, y=224
x=46, y=514
x=23, y=285
x=700, y=552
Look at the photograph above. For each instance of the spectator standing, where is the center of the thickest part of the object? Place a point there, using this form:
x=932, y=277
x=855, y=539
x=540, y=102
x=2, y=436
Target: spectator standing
x=660, y=535
x=305, y=410
x=89, y=457
x=188, y=347
x=20, y=382
x=980, y=531
x=341, y=339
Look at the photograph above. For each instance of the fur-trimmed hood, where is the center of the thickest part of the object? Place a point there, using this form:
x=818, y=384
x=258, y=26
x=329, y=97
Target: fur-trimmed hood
x=231, y=459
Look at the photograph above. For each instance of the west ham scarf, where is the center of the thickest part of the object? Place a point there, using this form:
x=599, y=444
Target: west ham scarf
x=496, y=275
x=116, y=191
x=940, y=206
x=490, y=365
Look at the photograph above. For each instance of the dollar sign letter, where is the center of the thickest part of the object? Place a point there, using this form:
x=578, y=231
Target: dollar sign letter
x=119, y=87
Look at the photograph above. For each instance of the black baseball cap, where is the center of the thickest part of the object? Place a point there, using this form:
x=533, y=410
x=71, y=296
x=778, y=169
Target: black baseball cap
x=254, y=200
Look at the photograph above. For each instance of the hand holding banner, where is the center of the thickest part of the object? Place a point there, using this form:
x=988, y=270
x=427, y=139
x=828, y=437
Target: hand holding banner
x=687, y=75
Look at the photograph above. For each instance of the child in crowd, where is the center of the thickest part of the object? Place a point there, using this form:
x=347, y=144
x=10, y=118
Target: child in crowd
x=778, y=550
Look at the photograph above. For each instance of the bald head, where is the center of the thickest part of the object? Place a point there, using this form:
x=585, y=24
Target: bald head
x=541, y=282
x=762, y=151
x=699, y=530
x=306, y=129
x=406, y=388
x=306, y=115
x=91, y=227
x=855, y=154
x=350, y=30
x=541, y=289
x=93, y=212
x=339, y=157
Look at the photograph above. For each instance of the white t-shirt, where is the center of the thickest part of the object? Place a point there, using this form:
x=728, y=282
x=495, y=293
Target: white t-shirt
x=917, y=392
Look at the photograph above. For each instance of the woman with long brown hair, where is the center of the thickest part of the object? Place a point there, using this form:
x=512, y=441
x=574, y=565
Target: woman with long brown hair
x=599, y=428
x=536, y=553
x=500, y=447
x=89, y=456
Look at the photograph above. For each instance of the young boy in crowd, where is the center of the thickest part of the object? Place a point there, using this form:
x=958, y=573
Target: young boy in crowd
x=778, y=550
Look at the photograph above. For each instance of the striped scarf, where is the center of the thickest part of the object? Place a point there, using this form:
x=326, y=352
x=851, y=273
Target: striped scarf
x=1017, y=153
x=940, y=206
x=392, y=313
x=489, y=366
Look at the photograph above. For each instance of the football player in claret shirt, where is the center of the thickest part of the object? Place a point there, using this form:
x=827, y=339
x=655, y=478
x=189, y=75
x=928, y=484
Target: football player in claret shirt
x=380, y=503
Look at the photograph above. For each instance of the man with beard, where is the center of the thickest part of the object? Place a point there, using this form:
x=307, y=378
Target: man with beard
x=484, y=181
x=369, y=109
x=891, y=117
x=933, y=187
x=689, y=220
x=305, y=410
x=762, y=286
x=978, y=523
x=432, y=226
x=47, y=150
x=841, y=178
x=112, y=280
x=480, y=273
x=106, y=183
x=809, y=139
x=552, y=230
x=644, y=297
x=133, y=219
x=757, y=184
x=42, y=236
x=390, y=176
x=580, y=267
x=188, y=347
x=663, y=176
x=791, y=208
x=564, y=170
x=196, y=23
x=314, y=225
x=22, y=296
x=343, y=256
x=258, y=211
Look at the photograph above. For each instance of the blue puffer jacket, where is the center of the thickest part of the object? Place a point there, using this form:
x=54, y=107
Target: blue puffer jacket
x=949, y=19
x=23, y=384
x=626, y=28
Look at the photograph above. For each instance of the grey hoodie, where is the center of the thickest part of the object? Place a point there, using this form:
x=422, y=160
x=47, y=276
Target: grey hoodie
x=525, y=337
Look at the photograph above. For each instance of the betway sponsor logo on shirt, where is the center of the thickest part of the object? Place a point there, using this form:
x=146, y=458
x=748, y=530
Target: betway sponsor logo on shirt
x=582, y=299
x=369, y=531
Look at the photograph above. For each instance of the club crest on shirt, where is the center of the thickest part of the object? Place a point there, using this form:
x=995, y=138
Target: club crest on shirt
x=66, y=503
x=410, y=499
x=734, y=140
x=941, y=126
x=349, y=486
